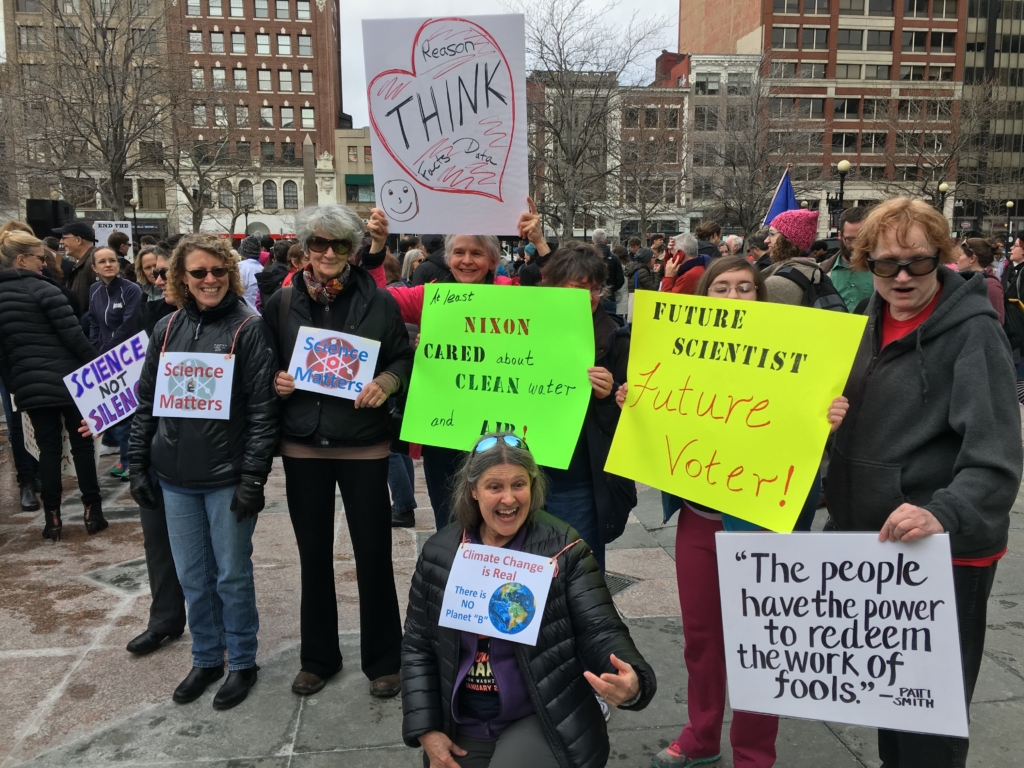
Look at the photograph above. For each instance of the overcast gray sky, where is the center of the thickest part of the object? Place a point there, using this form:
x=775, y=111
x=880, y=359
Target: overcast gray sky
x=354, y=11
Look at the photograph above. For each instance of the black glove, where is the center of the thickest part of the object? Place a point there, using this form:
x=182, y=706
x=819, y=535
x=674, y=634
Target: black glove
x=248, y=500
x=141, y=487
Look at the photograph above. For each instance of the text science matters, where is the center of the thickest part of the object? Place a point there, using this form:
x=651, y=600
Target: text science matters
x=502, y=359
x=728, y=401
x=333, y=363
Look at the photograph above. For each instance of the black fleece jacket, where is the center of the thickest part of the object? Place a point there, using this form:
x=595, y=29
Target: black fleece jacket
x=934, y=421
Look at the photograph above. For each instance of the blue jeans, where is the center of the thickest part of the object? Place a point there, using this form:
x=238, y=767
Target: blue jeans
x=26, y=466
x=213, y=558
x=575, y=505
x=401, y=481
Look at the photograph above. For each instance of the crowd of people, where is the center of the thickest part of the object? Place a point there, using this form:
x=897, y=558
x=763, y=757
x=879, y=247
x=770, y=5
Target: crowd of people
x=926, y=439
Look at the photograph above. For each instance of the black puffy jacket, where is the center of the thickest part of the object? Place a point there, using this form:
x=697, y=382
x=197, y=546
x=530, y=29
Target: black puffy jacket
x=432, y=269
x=372, y=314
x=211, y=453
x=41, y=340
x=580, y=629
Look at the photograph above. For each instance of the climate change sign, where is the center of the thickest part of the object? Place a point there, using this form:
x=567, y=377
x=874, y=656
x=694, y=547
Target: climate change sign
x=333, y=363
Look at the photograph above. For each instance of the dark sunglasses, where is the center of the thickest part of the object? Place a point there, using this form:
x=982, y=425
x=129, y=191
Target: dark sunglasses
x=489, y=442
x=200, y=274
x=321, y=244
x=915, y=267
x=161, y=274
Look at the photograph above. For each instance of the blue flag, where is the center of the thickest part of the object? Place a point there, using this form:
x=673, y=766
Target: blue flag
x=784, y=199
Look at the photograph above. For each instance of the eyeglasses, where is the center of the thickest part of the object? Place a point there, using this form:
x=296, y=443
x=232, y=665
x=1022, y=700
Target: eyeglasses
x=848, y=240
x=161, y=274
x=594, y=290
x=489, y=442
x=321, y=244
x=722, y=289
x=924, y=265
x=200, y=274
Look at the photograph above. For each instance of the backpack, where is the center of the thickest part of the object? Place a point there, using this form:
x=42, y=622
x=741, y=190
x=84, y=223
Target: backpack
x=819, y=293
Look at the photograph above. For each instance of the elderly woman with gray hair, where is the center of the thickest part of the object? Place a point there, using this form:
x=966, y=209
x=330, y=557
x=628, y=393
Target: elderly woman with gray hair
x=329, y=442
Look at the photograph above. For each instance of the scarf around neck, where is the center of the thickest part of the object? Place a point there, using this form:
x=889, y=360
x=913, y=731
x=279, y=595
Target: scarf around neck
x=325, y=293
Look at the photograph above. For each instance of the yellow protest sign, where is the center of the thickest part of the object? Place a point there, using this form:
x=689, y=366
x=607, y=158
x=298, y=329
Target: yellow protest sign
x=728, y=401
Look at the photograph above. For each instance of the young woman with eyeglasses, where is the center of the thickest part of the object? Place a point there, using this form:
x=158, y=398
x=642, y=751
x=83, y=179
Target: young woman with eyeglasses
x=976, y=255
x=330, y=443
x=210, y=457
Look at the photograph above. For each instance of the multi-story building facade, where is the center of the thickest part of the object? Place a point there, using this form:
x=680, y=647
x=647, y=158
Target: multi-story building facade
x=354, y=169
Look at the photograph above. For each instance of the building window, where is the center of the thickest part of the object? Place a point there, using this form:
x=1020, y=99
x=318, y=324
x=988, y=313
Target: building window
x=872, y=173
x=706, y=84
x=353, y=154
x=288, y=154
x=875, y=71
x=914, y=42
x=875, y=109
x=935, y=142
x=879, y=40
x=262, y=10
x=220, y=78
x=225, y=197
x=305, y=82
x=631, y=117
x=367, y=154
x=195, y=42
x=844, y=143
x=785, y=6
x=851, y=7
x=302, y=10
x=199, y=114
x=220, y=116
x=784, y=38
x=267, y=156
x=912, y=73
x=29, y=6
x=284, y=80
x=242, y=116
x=812, y=71
x=305, y=45
x=30, y=38
x=270, y=192
x=873, y=143
x=944, y=42
x=263, y=45
x=848, y=71
x=245, y=196
x=817, y=7
x=813, y=109
x=237, y=9
x=703, y=188
x=783, y=69
x=815, y=39
x=266, y=117
x=915, y=8
x=198, y=79
x=739, y=83
x=263, y=80
x=879, y=7
x=216, y=42
x=944, y=9
x=909, y=110
x=238, y=42
x=846, y=109
x=291, y=193
x=307, y=118
x=216, y=8
x=288, y=117
x=651, y=117
x=241, y=79
x=194, y=8
x=281, y=9
x=942, y=74
x=284, y=45
x=243, y=151
x=672, y=118
x=849, y=39
x=151, y=152
x=705, y=118
x=806, y=172
x=152, y=196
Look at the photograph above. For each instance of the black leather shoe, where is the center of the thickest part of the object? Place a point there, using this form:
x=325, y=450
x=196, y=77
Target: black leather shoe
x=196, y=682
x=29, y=502
x=403, y=519
x=235, y=688
x=148, y=642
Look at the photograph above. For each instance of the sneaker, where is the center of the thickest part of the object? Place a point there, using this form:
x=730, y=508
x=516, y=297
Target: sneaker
x=126, y=475
x=675, y=757
x=118, y=470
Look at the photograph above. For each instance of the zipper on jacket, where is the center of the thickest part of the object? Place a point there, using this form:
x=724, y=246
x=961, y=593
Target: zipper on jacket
x=538, y=705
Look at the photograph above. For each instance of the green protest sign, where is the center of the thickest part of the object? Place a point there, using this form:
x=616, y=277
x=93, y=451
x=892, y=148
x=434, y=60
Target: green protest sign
x=496, y=358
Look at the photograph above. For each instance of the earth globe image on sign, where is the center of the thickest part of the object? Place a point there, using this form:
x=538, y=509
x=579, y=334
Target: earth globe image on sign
x=512, y=608
x=203, y=387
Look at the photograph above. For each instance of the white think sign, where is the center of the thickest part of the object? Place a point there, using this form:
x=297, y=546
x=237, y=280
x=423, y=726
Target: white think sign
x=104, y=229
x=447, y=101
x=842, y=627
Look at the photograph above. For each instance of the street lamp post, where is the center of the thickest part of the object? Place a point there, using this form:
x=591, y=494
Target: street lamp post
x=246, y=208
x=943, y=190
x=1009, y=212
x=843, y=166
x=134, y=203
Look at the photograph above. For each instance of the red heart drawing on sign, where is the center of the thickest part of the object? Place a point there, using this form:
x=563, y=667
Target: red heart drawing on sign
x=449, y=121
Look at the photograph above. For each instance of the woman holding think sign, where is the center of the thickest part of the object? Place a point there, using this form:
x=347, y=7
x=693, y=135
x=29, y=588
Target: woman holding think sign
x=473, y=701
x=331, y=442
x=752, y=735
x=207, y=425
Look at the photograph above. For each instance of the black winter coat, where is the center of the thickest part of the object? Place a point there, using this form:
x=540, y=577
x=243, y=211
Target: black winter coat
x=41, y=340
x=432, y=269
x=270, y=279
x=373, y=314
x=616, y=277
x=211, y=453
x=580, y=629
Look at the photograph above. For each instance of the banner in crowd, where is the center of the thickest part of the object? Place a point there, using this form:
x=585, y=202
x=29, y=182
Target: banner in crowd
x=105, y=389
x=728, y=401
x=493, y=358
x=844, y=628
x=333, y=363
x=105, y=229
x=447, y=102
x=194, y=385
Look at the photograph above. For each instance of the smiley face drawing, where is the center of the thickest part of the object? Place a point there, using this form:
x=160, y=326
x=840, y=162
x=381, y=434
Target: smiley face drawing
x=398, y=199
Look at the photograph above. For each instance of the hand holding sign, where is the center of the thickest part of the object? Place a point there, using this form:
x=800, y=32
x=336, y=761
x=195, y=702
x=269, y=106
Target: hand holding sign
x=377, y=226
x=615, y=689
x=909, y=523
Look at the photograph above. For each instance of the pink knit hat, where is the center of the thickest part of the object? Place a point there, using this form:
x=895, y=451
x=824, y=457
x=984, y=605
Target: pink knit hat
x=799, y=226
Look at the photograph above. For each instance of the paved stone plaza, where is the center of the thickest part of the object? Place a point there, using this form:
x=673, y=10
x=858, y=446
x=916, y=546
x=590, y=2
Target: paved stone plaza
x=72, y=696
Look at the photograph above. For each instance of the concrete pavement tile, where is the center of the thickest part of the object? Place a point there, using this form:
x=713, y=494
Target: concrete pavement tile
x=648, y=508
x=665, y=536
x=635, y=536
x=998, y=681
x=861, y=742
x=650, y=597
x=1004, y=638
x=399, y=756
x=641, y=563
x=27, y=681
x=660, y=641
x=996, y=735
x=1009, y=575
x=812, y=744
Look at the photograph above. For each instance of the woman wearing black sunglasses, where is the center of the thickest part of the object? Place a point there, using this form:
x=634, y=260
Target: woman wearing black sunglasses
x=332, y=442
x=931, y=442
x=211, y=457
